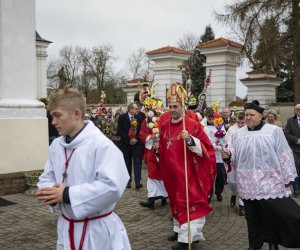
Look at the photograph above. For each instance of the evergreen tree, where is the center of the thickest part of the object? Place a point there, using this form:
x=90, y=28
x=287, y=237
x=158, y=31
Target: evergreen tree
x=193, y=68
x=197, y=70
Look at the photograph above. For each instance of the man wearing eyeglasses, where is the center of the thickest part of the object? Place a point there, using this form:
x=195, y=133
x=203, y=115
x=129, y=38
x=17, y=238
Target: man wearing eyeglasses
x=130, y=144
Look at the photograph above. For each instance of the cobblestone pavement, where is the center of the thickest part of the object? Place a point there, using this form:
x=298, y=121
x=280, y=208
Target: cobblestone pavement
x=28, y=225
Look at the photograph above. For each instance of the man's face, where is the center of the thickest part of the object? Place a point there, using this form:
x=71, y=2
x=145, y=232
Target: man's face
x=252, y=118
x=225, y=113
x=297, y=110
x=64, y=121
x=240, y=123
x=175, y=110
x=133, y=110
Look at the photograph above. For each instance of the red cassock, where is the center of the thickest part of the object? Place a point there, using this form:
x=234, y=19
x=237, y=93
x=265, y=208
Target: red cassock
x=154, y=171
x=201, y=170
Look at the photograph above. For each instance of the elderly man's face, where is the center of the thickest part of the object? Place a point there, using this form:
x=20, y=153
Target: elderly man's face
x=133, y=110
x=225, y=113
x=252, y=118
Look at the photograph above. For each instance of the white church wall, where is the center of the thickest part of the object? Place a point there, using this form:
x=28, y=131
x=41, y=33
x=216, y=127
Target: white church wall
x=23, y=121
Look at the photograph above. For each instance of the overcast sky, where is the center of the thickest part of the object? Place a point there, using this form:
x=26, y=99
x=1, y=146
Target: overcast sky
x=127, y=24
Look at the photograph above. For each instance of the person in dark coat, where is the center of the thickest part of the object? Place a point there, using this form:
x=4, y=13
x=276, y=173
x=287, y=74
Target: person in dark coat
x=52, y=132
x=129, y=126
x=292, y=134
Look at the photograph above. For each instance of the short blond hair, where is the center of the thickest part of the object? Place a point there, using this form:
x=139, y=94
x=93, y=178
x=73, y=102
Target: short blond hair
x=67, y=98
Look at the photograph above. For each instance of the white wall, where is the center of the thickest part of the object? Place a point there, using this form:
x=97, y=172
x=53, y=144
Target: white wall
x=17, y=49
x=23, y=122
x=41, y=72
x=166, y=72
x=24, y=144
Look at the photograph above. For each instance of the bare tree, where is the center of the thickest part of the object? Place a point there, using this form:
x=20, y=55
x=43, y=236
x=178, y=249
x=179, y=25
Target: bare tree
x=53, y=66
x=86, y=76
x=188, y=42
x=139, y=64
x=70, y=62
x=98, y=63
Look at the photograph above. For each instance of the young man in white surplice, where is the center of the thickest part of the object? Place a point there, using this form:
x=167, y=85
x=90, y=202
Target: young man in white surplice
x=85, y=175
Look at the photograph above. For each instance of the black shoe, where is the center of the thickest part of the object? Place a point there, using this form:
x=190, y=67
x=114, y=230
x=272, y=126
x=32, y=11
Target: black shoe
x=128, y=185
x=138, y=186
x=252, y=248
x=164, y=201
x=232, y=200
x=273, y=246
x=219, y=197
x=173, y=236
x=242, y=211
x=180, y=246
x=148, y=204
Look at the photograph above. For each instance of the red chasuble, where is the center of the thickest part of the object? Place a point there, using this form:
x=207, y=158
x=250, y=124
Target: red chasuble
x=201, y=170
x=149, y=155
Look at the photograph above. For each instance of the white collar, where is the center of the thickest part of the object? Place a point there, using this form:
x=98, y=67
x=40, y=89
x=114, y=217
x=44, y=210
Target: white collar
x=176, y=121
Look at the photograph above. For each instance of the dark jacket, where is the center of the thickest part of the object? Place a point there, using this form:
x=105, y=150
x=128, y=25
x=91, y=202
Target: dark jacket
x=124, y=125
x=292, y=134
x=51, y=129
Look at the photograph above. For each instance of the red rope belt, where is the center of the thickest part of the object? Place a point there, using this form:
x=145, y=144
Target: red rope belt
x=85, y=222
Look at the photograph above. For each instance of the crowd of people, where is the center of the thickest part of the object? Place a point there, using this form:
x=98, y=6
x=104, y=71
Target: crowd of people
x=190, y=157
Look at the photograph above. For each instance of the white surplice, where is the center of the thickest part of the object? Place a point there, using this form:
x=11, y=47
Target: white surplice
x=263, y=161
x=210, y=131
x=231, y=176
x=97, y=177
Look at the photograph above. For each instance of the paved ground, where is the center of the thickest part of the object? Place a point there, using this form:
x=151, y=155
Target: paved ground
x=28, y=225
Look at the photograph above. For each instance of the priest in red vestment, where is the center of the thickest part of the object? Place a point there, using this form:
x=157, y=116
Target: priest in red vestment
x=201, y=168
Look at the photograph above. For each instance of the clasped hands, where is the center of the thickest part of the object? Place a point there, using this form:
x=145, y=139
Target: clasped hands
x=51, y=195
x=133, y=141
